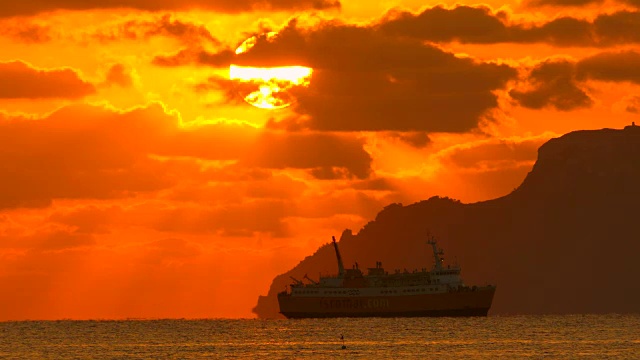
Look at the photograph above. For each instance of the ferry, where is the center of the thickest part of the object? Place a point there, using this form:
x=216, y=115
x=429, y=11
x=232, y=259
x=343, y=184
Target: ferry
x=378, y=293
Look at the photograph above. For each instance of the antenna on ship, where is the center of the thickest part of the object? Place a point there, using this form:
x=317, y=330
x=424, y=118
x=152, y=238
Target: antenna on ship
x=436, y=253
x=340, y=266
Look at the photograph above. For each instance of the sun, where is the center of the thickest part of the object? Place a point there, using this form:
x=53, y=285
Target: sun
x=268, y=87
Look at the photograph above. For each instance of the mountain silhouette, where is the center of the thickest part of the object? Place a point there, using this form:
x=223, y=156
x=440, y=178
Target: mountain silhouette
x=567, y=240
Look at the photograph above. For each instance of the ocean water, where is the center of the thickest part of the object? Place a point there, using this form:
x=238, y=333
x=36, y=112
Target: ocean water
x=511, y=337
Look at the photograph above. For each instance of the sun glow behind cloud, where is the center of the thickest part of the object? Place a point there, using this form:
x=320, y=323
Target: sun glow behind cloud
x=296, y=75
x=272, y=84
x=267, y=87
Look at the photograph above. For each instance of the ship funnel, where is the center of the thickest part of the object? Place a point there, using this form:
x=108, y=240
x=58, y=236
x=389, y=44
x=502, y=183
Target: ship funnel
x=340, y=266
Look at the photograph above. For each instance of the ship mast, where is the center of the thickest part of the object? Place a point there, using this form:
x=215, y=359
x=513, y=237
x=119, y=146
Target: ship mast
x=340, y=266
x=436, y=253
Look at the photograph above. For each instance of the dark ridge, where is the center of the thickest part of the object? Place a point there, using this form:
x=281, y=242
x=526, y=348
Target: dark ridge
x=565, y=241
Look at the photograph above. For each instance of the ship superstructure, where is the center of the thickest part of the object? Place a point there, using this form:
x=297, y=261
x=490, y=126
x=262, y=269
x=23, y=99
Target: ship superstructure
x=351, y=293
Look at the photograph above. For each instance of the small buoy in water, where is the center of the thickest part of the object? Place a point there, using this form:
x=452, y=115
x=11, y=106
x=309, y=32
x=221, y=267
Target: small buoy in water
x=343, y=347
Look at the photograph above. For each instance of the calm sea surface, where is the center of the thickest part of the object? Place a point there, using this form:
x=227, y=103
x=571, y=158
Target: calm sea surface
x=513, y=337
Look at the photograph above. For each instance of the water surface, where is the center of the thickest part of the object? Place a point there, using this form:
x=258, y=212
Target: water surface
x=513, y=337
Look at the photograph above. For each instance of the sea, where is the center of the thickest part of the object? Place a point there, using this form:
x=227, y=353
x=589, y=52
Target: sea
x=494, y=337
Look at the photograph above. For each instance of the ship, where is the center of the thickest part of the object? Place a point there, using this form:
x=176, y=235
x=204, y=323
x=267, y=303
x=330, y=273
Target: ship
x=351, y=293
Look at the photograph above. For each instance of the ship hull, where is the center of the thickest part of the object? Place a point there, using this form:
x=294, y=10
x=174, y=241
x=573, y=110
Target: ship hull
x=453, y=304
x=422, y=313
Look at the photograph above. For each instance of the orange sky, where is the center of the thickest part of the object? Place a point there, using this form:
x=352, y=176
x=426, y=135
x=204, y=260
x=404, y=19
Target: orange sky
x=137, y=183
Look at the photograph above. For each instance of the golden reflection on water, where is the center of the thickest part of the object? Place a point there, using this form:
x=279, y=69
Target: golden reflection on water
x=533, y=337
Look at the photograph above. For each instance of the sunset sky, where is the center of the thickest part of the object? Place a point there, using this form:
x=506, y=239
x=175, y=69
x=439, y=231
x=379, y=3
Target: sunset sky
x=137, y=182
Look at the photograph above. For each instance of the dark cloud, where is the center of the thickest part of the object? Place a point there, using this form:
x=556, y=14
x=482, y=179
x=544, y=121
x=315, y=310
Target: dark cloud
x=166, y=25
x=534, y=3
x=559, y=83
x=564, y=31
x=328, y=156
x=553, y=84
x=618, y=28
x=118, y=75
x=195, y=56
x=21, y=81
x=26, y=32
x=611, y=66
x=87, y=152
x=90, y=152
x=416, y=139
x=575, y=3
x=26, y=8
x=482, y=26
x=366, y=80
x=231, y=89
x=377, y=184
x=440, y=24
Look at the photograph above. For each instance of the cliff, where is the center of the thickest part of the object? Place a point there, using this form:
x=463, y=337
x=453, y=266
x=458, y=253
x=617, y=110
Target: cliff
x=565, y=241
